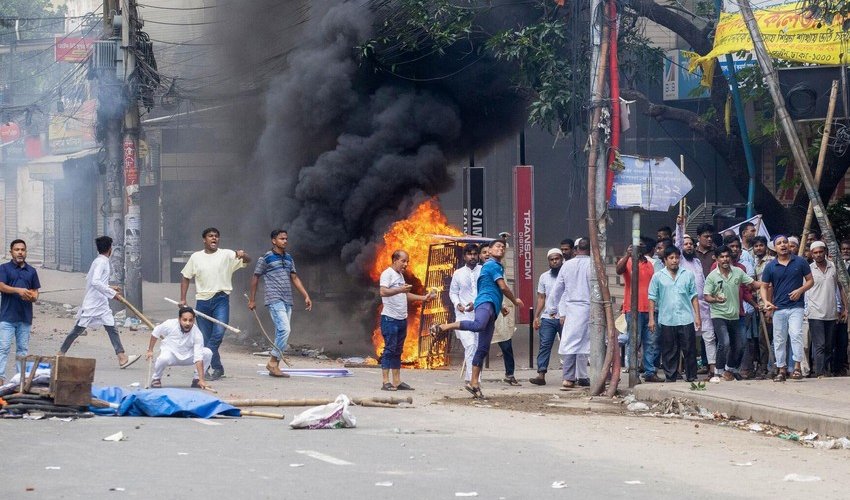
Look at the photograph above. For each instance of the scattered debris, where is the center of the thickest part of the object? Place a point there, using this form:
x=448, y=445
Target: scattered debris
x=800, y=478
x=117, y=489
x=697, y=386
x=384, y=483
x=330, y=416
x=633, y=482
x=118, y=436
x=743, y=464
x=832, y=444
x=789, y=436
x=296, y=465
x=809, y=437
x=466, y=494
x=135, y=384
x=559, y=485
x=52, y=467
x=638, y=406
x=755, y=427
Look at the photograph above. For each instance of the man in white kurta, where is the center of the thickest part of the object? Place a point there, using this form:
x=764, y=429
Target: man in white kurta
x=574, y=312
x=462, y=292
x=95, y=311
x=182, y=345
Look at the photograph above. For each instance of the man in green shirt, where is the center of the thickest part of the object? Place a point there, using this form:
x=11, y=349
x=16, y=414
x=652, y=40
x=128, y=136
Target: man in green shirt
x=722, y=293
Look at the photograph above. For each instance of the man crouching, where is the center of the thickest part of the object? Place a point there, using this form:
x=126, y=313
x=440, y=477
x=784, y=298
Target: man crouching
x=182, y=345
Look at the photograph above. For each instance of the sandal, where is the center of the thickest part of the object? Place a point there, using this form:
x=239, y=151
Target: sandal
x=156, y=384
x=797, y=375
x=780, y=377
x=511, y=380
x=472, y=390
x=130, y=360
x=404, y=387
x=388, y=387
x=567, y=385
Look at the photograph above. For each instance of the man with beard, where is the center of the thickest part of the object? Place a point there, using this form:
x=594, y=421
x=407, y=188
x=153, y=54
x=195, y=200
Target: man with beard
x=462, y=292
x=690, y=262
x=664, y=233
x=567, y=246
x=573, y=288
x=747, y=232
x=722, y=291
x=822, y=307
x=787, y=279
x=546, y=320
x=182, y=345
x=673, y=292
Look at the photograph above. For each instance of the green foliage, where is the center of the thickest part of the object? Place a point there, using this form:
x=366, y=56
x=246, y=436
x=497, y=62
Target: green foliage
x=839, y=217
x=828, y=10
x=35, y=19
x=697, y=386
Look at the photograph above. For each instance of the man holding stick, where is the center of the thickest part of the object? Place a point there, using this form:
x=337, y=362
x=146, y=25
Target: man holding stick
x=95, y=310
x=278, y=270
x=182, y=345
x=212, y=269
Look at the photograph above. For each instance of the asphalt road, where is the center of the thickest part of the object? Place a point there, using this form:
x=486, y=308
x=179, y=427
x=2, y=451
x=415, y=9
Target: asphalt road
x=437, y=449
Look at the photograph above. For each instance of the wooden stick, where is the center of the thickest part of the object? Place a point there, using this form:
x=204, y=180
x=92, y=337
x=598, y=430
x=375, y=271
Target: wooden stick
x=135, y=311
x=313, y=402
x=148, y=380
x=252, y=413
x=824, y=143
x=684, y=200
x=265, y=334
x=206, y=317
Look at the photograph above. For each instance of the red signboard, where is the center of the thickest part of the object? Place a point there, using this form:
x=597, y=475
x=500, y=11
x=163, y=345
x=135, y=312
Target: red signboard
x=131, y=173
x=524, y=230
x=9, y=132
x=72, y=49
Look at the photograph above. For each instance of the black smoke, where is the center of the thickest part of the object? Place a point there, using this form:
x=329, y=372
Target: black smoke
x=349, y=147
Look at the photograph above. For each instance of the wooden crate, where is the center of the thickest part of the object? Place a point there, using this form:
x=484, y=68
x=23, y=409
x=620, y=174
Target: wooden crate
x=71, y=380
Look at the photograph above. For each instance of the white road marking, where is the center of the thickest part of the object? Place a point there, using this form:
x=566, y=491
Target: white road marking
x=324, y=458
x=206, y=421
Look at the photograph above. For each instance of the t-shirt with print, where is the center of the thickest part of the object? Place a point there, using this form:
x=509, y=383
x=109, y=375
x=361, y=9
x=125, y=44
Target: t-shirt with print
x=728, y=286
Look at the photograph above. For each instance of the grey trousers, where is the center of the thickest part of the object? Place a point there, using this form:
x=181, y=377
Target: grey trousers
x=575, y=366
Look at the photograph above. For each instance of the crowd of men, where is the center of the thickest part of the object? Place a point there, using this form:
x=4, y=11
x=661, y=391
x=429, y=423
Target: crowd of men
x=193, y=338
x=736, y=306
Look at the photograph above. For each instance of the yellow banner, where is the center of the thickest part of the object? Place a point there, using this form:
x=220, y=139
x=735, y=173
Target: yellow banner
x=787, y=34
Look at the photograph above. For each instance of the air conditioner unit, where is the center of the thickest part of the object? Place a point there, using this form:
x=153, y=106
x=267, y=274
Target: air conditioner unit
x=105, y=55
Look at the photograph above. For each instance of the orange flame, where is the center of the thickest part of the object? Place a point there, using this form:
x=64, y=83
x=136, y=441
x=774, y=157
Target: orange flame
x=413, y=236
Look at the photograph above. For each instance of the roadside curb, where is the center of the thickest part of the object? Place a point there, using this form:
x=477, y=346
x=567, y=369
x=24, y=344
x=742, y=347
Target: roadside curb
x=799, y=419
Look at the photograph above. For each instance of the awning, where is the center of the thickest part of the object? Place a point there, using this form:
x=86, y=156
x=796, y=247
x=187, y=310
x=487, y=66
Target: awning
x=50, y=168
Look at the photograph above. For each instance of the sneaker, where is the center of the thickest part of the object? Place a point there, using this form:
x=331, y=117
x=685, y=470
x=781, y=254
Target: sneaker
x=537, y=380
x=714, y=380
x=215, y=374
x=584, y=382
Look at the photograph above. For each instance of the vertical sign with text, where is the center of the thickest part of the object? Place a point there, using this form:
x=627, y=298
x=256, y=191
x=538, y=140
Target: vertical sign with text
x=524, y=231
x=475, y=198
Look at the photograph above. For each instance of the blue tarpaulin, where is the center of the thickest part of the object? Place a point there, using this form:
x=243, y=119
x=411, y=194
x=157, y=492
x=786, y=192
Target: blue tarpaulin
x=166, y=402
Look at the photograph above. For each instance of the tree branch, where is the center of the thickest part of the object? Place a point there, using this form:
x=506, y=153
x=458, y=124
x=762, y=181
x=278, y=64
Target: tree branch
x=675, y=22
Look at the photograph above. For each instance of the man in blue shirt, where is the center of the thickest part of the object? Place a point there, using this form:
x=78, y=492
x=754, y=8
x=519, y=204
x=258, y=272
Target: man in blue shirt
x=278, y=271
x=19, y=289
x=491, y=289
x=786, y=278
x=673, y=293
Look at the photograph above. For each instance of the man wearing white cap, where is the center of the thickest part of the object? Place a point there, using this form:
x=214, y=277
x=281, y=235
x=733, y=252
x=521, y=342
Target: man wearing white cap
x=546, y=320
x=822, y=307
x=573, y=286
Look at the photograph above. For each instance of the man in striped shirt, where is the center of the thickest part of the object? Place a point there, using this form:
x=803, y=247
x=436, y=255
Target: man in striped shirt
x=278, y=271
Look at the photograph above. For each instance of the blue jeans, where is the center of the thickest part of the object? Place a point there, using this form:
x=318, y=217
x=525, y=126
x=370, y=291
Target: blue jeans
x=788, y=323
x=549, y=329
x=281, y=313
x=729, y=344
x=21, y=332
x=507, y=348
x=217, y=307
x=648, y=340
x=484, y=324
x=394, y=332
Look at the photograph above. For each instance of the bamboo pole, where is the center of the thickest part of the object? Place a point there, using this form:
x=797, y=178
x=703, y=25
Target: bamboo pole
x=313, y=402
x=252, y=413
x=771, y=79
x=135, y=311
x=824, y=143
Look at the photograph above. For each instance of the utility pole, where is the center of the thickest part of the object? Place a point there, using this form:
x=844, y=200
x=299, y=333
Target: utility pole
x=772, y=81
x=132, y=210
x=110, y=106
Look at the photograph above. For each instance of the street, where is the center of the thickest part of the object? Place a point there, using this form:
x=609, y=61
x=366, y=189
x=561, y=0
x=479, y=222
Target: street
x=443, y=447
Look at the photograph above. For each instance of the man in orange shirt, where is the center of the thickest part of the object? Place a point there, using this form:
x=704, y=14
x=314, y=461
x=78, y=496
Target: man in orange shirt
x=645, y=272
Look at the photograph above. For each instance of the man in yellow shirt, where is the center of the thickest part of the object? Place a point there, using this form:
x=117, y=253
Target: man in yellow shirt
x=212, y=269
